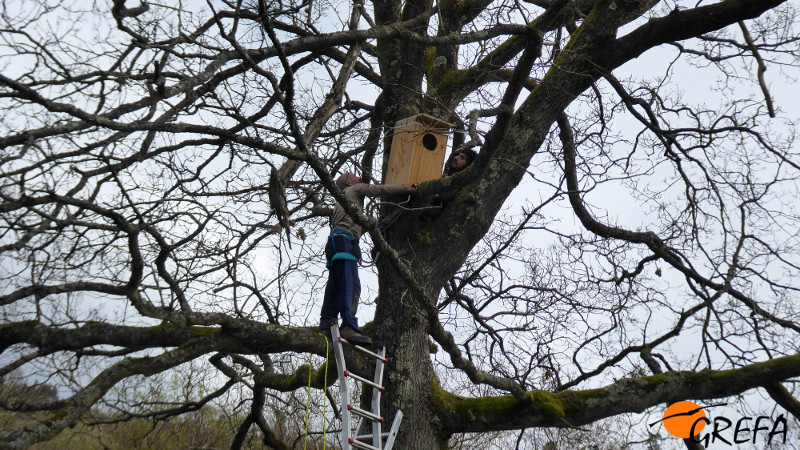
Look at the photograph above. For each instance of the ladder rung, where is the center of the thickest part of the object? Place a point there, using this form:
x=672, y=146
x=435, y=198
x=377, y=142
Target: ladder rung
x=369, y=436
x=364, y=350
x=347, y=373
x=367, y=414
x=359, y=444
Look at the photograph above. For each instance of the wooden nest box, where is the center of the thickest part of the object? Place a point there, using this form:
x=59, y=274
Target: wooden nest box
x=418, y=149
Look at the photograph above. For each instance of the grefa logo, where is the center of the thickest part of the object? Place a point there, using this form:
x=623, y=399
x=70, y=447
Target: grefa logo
x=688, y=420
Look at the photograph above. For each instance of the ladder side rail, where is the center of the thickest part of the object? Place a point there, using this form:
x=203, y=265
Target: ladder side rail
x=340, y=367
x=398, y=417
x=377, y=441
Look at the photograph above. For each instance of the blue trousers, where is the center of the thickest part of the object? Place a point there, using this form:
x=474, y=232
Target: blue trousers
x=344, y=287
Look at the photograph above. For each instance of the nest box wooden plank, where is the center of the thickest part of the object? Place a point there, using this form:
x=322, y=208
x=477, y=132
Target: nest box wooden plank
x=418, y=148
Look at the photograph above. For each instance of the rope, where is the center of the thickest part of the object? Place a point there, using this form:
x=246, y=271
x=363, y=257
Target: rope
x=324, y=397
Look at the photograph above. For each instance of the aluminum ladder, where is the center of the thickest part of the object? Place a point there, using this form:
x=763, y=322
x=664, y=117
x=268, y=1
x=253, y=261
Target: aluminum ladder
x=358, y=440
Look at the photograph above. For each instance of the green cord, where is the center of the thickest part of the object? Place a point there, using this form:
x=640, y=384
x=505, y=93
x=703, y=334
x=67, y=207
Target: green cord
x=324, y=397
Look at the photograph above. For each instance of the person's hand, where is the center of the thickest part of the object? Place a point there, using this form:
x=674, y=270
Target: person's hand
x=411, y=188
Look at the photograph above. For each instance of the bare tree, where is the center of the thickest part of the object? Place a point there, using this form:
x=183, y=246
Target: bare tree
x=617, y=245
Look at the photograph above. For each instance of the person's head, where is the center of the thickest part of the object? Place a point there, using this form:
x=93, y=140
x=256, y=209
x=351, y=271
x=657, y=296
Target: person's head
x=347, y=179
x=461, y=159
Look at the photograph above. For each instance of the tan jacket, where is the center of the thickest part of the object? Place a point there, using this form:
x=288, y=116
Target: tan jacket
x=356, y=194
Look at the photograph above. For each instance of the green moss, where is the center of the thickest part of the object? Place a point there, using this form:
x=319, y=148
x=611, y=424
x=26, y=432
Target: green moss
x=552, y=404
x=454, y=77
x=425, y=237
x=368, y=328
x=442, y=400
x=197, y=330
x=205, y=331
x=164, y=326
x=446, y=401
x=464, y=194
x=745, y=375
x=299, y=377
x=54, y=418
x=460, y=7
x=578, y=400
x=654, y=381
x=430, y=56
x=319, y=377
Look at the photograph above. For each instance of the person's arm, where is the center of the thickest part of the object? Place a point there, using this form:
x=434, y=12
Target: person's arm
x=375, y=190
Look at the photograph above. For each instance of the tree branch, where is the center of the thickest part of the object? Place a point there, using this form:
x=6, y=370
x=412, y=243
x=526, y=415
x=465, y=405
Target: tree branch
x=631, y=395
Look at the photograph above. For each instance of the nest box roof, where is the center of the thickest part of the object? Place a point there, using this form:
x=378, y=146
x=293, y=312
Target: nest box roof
x=429, y=121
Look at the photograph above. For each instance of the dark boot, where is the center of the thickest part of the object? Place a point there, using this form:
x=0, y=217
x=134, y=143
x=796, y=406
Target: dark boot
x=353, y=336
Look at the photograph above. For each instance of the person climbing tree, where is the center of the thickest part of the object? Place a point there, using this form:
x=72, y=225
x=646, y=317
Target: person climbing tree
x=343, y=254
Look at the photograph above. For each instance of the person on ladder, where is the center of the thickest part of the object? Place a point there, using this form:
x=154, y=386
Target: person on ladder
x=343, y=254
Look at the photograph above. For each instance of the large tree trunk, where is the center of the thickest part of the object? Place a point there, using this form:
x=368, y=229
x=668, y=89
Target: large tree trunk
x=409, y=376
